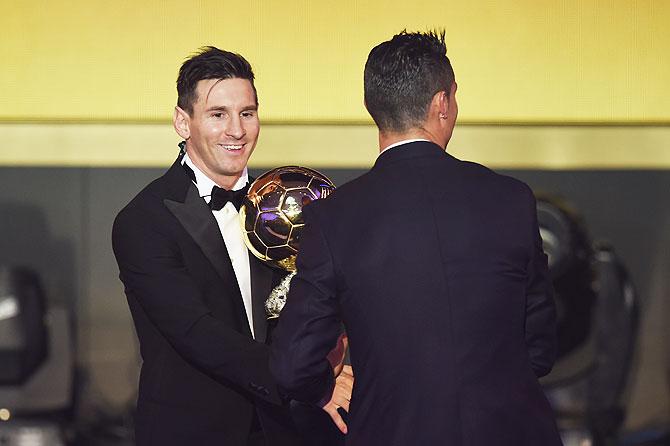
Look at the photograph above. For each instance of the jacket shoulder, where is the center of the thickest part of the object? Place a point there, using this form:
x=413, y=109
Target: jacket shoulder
x=489, y=178
x=341, y=196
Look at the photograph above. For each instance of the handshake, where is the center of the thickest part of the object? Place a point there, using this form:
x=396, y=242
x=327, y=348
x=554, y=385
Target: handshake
x=344, y=383
x=275, y=241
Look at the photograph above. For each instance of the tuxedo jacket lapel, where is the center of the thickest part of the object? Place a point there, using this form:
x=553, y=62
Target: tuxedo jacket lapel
x=197, y=219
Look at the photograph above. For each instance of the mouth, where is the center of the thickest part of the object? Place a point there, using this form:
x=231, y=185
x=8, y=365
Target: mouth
x=232, y=147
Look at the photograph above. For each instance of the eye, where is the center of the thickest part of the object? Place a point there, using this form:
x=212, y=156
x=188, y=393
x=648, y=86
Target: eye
x=217, y=115
x=248, y=114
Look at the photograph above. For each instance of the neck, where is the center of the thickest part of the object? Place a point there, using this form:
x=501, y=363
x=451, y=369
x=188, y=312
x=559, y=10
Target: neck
x=387, y=138
x=224, y=181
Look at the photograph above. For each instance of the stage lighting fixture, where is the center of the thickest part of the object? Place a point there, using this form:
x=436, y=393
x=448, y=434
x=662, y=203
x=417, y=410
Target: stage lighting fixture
x=23, y=343
x=597, y=326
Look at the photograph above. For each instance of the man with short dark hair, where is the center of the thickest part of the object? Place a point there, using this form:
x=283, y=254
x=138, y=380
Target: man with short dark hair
x=195, y=293
x=435, y=267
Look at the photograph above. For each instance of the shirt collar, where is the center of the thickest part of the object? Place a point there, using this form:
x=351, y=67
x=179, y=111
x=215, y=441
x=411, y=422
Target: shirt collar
x=400, y=143
x=205, y=184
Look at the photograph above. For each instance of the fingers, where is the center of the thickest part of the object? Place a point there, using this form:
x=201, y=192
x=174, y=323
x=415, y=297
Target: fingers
x=346, y=378
x=344, y=383
x=344, y=386
x=341, y=397
x=331, y=409
x=341, y=400
x=344, y=404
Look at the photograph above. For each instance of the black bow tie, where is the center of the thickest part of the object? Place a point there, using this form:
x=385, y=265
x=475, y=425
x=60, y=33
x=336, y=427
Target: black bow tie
x=221, y=196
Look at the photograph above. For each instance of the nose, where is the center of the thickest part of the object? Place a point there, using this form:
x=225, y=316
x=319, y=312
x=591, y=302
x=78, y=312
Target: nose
x=235, y=128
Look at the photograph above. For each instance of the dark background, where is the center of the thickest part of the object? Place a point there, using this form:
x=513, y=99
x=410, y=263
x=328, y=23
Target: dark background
x=58, y=220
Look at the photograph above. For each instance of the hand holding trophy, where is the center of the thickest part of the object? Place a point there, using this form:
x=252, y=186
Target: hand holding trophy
x=272, y=221
x=271, y=218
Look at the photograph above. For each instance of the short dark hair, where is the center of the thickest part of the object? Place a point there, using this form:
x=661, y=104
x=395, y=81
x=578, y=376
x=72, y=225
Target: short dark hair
x=209, y=63
x=401, y=77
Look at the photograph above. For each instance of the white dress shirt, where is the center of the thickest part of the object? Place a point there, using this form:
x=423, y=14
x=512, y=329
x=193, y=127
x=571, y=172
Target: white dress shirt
x=400, y=143
x=231, y=230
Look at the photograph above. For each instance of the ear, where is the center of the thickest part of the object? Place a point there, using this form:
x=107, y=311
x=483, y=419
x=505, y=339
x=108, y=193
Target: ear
x=452, y=91
x=181, y=121
x=440, y=104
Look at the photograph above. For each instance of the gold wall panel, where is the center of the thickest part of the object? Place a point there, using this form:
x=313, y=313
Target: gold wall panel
x=525, y=61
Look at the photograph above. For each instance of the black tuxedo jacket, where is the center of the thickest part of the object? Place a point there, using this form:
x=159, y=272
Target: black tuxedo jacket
x=203, y=375
x=436, y=268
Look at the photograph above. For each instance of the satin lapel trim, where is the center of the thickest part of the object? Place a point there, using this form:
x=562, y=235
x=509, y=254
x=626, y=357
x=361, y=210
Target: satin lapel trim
x=261, y=286
x=197, y=219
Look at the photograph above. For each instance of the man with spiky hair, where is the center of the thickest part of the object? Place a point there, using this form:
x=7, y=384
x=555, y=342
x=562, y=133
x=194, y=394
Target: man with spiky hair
x=195, y=294
x=435, y=267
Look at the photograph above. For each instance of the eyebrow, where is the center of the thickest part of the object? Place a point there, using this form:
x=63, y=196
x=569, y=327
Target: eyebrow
x=224, y=108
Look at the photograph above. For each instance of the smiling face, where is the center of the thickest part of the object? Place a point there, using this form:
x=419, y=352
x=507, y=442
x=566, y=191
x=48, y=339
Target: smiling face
x=222, y=130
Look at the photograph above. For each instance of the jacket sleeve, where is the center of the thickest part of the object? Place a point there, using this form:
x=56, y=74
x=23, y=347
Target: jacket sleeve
x=309, y=324
x=154, y=274
x=540, y=306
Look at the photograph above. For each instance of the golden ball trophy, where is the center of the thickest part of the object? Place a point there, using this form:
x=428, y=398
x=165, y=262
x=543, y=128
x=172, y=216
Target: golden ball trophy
x=272, y=220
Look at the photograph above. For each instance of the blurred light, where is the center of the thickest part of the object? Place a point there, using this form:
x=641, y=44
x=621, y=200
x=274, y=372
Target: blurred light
x=18, y=433
x=5, y=414
x=9, y=307
x=576, y=437
x=32, y=436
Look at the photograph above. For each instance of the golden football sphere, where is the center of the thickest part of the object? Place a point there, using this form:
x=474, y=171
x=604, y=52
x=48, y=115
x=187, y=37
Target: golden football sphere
x=271, y=214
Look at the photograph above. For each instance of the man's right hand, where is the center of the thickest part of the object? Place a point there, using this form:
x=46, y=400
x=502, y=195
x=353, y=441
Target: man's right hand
x=344, y=385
